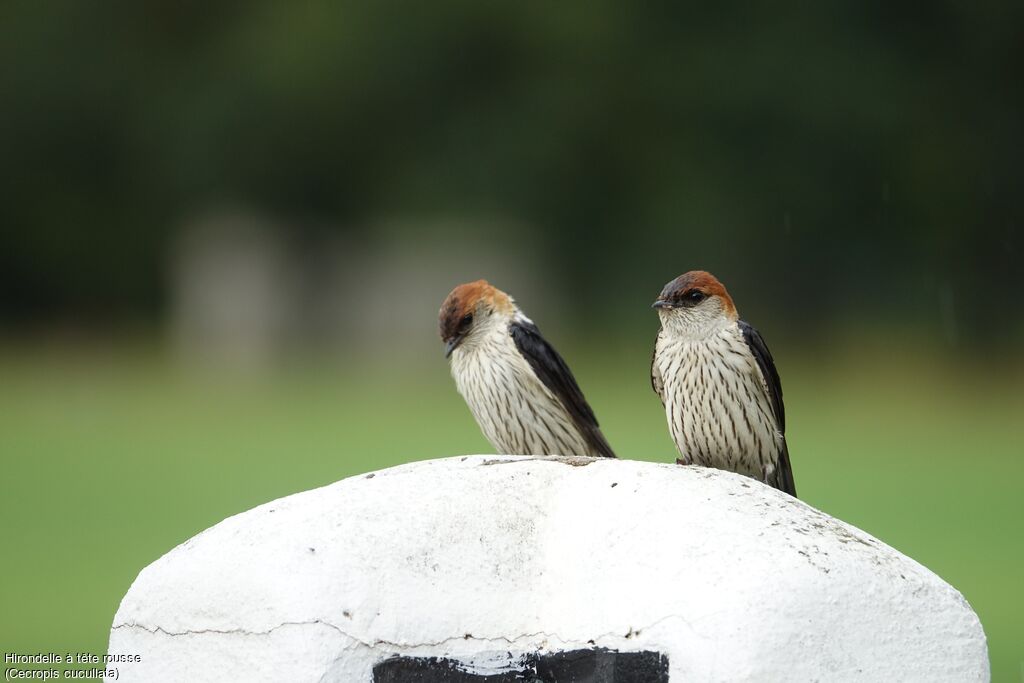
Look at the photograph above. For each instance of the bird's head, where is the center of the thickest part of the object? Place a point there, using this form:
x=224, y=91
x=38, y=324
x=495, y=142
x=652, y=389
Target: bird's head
x=695, y=305
x=470, y=310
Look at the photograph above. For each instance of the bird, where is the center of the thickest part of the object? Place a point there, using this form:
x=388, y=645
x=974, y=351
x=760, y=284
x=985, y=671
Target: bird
x=718, y=383
x=519, y=389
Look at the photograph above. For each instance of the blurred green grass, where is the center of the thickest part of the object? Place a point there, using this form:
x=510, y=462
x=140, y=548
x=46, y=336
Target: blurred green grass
x=112, y=458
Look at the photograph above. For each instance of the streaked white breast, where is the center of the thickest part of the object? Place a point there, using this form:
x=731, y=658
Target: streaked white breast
x=515, y=411
x=718, y=410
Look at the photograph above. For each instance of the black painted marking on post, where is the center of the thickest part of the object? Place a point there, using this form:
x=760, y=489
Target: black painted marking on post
x=575, y=666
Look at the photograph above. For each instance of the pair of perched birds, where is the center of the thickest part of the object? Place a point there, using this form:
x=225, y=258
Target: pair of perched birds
x=713, y=373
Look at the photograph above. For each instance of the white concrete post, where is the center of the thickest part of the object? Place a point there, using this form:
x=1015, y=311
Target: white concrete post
x=494, y=568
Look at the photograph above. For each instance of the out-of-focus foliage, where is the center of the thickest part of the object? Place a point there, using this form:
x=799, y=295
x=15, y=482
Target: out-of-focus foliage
x=841, y=161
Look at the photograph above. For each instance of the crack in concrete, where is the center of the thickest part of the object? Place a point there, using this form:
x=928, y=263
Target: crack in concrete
x=234, y=631
x=527, y=637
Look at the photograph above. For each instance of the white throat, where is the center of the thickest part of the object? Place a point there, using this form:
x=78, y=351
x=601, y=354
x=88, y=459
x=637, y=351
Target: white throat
x=693, y=324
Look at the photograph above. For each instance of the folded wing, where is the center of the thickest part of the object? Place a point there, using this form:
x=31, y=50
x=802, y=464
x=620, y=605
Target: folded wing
x=556, y=376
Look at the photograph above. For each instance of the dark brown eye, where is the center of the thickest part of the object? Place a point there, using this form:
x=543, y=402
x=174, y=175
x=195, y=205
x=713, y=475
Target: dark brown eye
x=695, y=296
x=467, y=320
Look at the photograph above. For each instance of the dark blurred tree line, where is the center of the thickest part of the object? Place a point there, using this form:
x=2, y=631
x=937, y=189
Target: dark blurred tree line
x=847, y=158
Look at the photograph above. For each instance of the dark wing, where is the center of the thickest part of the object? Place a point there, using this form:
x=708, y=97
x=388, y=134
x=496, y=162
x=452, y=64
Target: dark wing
x=657, y=383
x=555, y=375
x=783, y=470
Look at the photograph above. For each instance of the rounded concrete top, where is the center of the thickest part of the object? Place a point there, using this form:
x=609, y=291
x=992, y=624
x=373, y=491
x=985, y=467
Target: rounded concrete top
x=488, y=566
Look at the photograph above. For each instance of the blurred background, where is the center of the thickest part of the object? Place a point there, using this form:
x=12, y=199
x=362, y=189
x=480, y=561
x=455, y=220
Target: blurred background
x=226, y=229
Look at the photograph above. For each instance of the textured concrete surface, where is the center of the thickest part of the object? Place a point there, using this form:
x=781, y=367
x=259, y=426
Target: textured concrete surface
x=488, y=561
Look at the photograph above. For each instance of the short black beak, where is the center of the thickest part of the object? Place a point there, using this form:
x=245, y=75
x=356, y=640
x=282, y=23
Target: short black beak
x=451, y=344
x=661, y=303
